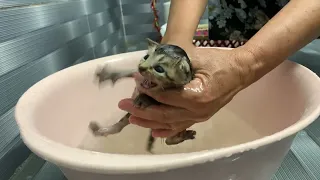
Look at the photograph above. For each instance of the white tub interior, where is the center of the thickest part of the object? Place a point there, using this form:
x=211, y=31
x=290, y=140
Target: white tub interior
x=272, y=104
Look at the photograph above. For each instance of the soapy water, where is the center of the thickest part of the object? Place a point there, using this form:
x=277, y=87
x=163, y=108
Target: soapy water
x=224, y=129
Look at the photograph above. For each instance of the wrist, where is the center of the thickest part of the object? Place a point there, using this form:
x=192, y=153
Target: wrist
x=178, y=40
x=255, y=62
x=250, y=64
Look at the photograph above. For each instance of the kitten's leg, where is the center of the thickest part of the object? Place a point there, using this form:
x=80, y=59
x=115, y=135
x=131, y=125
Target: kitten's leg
x=180, y=137
x=142, y=101
x=106, y=72
x=114, y=129
x=102, y=74
x=151, y=140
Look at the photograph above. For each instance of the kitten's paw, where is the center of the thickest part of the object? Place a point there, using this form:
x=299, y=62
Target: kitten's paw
x=99, y=131
x=94, y=127
x=143, y=101
x=104, y=73
x=150, y=143
x=180, y=137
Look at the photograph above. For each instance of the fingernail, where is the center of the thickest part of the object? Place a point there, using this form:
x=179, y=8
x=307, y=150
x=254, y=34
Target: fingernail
x=132, y=120
x=153, y=134
x=122, y=104
x=125, y=104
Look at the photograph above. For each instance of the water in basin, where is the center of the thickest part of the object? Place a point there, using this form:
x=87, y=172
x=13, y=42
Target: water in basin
x=224, y=129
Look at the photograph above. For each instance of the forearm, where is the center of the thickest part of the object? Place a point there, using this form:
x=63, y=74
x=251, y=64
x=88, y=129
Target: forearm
x=292, y=28
x=184, y=17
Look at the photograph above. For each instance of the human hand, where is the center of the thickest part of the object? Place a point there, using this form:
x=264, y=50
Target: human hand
x=219, y=75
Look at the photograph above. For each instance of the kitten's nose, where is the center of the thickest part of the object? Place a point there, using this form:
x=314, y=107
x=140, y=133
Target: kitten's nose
x=142, y=69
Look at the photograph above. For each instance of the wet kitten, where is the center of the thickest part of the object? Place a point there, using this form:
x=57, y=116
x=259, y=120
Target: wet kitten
x=164, y=66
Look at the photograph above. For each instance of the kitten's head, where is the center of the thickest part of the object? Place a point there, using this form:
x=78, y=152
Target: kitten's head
x=165, y=66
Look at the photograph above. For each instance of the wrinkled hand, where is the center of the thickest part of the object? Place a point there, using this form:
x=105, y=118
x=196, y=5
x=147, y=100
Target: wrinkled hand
x=219, y=76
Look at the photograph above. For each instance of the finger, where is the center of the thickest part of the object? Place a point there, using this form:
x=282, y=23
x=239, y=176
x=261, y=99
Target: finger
x=177, y=97
x=160, y=113
x=148, y=124
x=157, y=125
x=163, y=133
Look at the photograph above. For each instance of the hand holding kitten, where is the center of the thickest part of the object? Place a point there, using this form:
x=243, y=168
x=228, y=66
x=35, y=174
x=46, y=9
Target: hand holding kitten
x=219, y=75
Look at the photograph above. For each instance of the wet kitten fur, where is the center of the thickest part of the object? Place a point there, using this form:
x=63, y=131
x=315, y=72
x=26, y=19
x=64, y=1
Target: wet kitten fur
x=165, y=66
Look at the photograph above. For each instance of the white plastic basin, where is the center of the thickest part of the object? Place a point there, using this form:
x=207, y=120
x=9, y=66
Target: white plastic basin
x=246, y=140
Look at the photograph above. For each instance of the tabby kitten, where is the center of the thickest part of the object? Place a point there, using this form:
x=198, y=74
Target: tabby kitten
x=165, y=66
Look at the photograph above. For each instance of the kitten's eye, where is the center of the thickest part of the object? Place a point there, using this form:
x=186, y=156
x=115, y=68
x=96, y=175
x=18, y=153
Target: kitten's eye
x=146, y=57
x=159, y=69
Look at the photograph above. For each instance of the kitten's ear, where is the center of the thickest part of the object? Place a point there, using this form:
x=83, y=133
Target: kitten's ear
x=186, y=67
x=151, y=43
